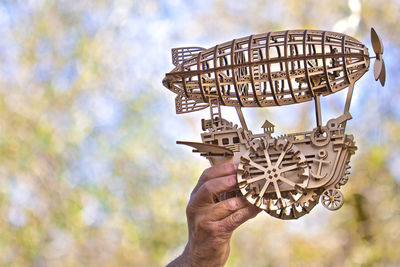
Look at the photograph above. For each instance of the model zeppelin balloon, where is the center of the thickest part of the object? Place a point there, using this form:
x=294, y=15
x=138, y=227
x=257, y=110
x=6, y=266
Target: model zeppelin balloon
x=284, y=175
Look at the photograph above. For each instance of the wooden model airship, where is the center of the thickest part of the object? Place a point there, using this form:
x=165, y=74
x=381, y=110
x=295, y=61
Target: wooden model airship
x=283, y=175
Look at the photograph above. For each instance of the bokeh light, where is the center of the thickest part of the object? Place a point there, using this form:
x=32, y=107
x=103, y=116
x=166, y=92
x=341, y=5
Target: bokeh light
x=91, y=174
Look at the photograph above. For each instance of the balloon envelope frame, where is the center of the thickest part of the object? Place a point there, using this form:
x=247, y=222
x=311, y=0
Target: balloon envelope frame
x=284, y=175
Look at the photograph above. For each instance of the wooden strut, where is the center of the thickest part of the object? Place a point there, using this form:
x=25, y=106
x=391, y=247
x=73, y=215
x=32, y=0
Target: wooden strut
x=348, y=99
x=241, y=117
x=348, y=102
x=318, y=113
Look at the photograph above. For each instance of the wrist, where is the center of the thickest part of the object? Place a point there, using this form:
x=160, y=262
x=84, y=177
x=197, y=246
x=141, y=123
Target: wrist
x=181, y=261
x=199, y=256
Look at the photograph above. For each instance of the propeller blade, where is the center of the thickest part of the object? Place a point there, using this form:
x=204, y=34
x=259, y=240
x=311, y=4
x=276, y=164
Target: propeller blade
x=376, y=42
x=382, y=76
x=377, y=68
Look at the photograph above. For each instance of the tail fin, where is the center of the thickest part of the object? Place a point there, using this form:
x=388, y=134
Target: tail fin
x=186, y=105
x=183, y=53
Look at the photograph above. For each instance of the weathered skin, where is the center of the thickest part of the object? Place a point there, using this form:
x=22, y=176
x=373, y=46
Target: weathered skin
x=210, y=224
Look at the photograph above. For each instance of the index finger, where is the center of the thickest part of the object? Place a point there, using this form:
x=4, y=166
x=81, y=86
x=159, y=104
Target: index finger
x=212, y=188
x=215, y=171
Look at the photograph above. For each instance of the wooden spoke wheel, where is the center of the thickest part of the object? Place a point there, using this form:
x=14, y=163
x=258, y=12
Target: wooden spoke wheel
x=332, y=199
x=273, y=175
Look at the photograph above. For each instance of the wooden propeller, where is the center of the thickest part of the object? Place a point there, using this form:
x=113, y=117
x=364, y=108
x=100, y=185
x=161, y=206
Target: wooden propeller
x=379, y=65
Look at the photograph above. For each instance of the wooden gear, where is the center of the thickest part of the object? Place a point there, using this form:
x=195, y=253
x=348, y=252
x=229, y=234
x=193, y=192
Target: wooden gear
x=283, y=175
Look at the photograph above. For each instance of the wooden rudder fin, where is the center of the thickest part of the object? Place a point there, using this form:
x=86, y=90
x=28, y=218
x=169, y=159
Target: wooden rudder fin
x=186, y=105
x=181, y=54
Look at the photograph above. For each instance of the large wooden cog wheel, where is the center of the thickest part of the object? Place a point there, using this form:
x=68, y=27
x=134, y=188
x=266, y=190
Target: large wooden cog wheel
x=307, y=201
x=294, y=211
x=273, y=175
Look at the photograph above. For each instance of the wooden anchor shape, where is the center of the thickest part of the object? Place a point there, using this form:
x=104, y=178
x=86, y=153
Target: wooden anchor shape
x=321, y=161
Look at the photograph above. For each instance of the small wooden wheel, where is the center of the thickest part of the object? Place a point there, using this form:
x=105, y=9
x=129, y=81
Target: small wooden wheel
x=332, y=199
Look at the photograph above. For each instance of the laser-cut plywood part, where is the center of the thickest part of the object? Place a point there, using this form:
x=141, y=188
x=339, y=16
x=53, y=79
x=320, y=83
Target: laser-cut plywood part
x=283, y=175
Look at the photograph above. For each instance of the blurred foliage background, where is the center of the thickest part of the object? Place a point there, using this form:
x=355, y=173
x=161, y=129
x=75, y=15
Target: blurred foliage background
x=91, y=174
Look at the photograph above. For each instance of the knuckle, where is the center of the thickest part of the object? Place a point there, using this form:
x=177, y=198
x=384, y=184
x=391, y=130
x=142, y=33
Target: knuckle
x=227, y=168
x=232, y=180
x=204, y=226
x=234, y=220
x=237, y=217
x=232, y=204
x=230, y=168
x=229, y=182
x=205, y=174
x=207, y=188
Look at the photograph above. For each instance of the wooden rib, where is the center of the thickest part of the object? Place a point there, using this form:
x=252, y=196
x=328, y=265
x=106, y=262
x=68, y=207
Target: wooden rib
x=217, y=84
x=199, y=77
x=233, y=71
x=281, y=82
x=305, y=62
x=287, y=67
x=344, y=58
x=269, y=69
x=328, y=82
x=250, y=54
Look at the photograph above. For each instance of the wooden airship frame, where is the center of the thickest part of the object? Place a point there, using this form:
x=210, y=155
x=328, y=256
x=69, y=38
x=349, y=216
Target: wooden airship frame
x=284, y=175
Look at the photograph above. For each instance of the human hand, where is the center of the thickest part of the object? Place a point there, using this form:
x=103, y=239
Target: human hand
x=211, y=224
